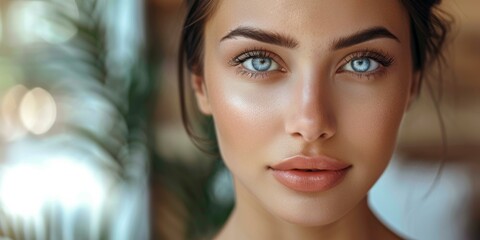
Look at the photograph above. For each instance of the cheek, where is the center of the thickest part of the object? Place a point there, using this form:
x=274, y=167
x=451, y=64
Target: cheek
x=246, y=117
x=375, y=123
x=369, y=122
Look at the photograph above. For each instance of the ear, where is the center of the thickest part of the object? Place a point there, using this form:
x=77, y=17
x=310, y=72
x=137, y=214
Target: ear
x=198, y=84
x=414, y=88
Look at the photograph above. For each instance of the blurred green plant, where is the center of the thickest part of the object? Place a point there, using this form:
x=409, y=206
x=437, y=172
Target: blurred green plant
x=104, y=99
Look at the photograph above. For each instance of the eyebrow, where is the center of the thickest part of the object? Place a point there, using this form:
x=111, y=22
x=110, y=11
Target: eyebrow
x=363, y=36
x=289, y=42
x=262, y=36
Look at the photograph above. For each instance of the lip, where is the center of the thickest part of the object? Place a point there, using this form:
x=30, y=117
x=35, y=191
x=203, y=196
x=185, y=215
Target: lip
x=310, y=174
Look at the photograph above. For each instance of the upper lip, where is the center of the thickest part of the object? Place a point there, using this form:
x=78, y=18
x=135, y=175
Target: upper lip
x=301, y=162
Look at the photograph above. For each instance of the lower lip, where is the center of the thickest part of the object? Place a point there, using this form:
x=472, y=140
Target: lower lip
x=304, y=181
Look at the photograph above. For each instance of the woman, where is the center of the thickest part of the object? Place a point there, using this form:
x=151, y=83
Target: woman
x=307, y=98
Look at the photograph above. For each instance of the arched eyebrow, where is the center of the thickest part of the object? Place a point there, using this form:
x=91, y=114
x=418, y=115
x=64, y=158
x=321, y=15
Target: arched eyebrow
x=363, y=36
x=262, y=36
x=289, y=42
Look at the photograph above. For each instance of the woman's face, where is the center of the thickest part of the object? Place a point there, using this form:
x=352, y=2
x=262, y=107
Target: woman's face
x=308, y=79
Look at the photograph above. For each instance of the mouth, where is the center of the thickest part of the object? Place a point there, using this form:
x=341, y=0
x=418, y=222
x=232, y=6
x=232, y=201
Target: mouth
x=308, y=170
x=311, y=164
x=310, y=174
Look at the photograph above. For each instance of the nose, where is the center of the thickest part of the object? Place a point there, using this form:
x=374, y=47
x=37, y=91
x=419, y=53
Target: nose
x=310, y=114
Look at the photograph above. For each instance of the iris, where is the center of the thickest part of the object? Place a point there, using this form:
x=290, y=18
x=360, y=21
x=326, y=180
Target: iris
x=361, y=65
x=261, y=64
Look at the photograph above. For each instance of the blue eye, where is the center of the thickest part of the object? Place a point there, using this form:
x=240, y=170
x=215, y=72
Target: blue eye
x=361, y=65
x=260, y=64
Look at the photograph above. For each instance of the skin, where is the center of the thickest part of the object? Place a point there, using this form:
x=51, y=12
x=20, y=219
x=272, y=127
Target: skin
x=309, y=106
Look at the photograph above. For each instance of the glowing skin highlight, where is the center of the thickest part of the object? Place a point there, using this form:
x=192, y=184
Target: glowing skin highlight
x=316, y=79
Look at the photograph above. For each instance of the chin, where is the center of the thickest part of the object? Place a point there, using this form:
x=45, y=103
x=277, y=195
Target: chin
x=307, y=215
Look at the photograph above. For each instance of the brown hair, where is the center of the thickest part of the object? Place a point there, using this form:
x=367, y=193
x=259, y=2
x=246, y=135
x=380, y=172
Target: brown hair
x=191, y=54
x=429, y=29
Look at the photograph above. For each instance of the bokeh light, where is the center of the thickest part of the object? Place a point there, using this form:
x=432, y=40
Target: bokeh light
x=38, y=111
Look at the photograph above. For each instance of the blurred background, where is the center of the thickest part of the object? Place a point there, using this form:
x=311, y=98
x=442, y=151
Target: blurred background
x=92, y=145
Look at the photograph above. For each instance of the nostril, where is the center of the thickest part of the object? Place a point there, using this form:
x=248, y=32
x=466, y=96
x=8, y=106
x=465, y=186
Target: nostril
x=297, y=134
x=310, y=135
x=310, y=127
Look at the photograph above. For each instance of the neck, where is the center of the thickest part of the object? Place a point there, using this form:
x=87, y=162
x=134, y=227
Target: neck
x=249, y=220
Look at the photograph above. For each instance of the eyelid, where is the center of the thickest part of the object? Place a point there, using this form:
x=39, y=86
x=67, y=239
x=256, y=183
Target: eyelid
x=379, y=56
x=384, y=59
x=239, y=59
x=256, y=52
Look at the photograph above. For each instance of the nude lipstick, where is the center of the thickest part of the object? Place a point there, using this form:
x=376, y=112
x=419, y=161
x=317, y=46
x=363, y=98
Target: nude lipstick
x=310, y=174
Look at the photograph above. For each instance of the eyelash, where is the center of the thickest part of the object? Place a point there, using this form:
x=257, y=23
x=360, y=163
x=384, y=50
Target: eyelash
x=254, y=53
x=384, y=59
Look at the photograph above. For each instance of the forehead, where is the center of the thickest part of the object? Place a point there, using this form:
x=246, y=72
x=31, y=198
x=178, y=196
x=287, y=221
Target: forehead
x=309, y=21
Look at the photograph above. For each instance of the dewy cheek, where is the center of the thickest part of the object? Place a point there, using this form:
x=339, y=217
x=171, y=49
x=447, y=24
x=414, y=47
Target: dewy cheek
x=240, y=118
